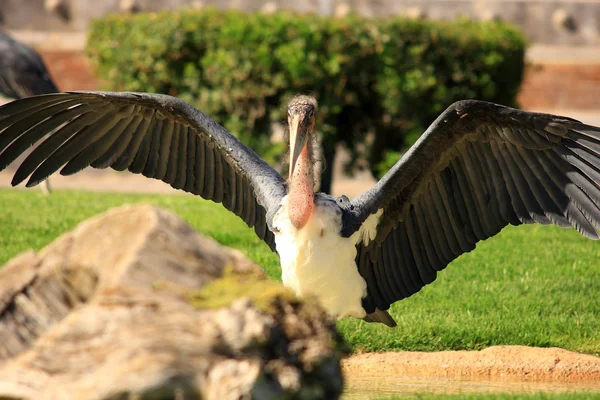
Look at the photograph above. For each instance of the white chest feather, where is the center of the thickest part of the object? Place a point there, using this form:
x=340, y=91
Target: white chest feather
x=316, y=260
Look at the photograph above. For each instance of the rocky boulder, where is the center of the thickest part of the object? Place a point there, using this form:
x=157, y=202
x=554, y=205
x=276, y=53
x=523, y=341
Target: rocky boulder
x=134, y=303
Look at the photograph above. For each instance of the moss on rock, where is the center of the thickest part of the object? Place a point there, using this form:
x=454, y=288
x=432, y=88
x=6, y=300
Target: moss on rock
x=232, y=286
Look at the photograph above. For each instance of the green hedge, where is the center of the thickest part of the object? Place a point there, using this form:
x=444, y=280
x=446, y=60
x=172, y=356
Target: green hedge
x=389, y=77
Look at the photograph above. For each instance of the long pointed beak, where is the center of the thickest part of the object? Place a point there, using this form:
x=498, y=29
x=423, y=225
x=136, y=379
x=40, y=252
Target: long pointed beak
x=298, y=139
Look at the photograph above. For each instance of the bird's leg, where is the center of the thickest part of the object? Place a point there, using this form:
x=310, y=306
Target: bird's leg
x=45, y=187
x=301, y=195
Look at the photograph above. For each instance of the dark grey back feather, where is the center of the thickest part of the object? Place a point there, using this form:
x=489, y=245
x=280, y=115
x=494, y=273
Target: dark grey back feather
x=478, y=168
x=155, y=135
x=22, y=70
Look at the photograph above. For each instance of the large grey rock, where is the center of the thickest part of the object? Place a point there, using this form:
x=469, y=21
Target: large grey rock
x=133, y=304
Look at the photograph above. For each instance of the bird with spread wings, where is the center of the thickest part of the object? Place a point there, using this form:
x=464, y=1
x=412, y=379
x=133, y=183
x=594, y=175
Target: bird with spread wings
x=478, y=167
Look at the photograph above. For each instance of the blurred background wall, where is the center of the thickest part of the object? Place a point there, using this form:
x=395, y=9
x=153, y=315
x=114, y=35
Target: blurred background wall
x=544, y=21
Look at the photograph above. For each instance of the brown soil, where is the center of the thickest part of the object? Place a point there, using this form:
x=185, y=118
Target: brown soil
x=498, y=369
x=495, y=369
x=498, y=362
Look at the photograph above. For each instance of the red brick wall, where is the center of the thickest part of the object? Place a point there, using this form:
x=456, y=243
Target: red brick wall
x=71, y=70
x=561, y=86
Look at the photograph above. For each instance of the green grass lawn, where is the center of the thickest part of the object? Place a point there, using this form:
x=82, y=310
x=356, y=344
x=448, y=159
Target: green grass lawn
x=529, y=285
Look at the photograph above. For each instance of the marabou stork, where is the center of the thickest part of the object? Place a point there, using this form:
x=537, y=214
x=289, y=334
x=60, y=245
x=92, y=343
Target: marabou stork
x=477, y=168
x=23, y=74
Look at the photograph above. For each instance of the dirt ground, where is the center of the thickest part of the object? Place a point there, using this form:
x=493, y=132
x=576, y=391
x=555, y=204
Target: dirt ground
x=497, y=362
x=498, y=369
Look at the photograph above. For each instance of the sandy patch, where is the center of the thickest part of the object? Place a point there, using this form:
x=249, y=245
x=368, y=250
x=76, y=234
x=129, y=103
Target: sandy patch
x=499, y=362
x=496, y=369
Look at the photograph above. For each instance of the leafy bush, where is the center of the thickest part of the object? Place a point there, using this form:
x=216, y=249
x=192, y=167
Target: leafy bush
x=378, y=82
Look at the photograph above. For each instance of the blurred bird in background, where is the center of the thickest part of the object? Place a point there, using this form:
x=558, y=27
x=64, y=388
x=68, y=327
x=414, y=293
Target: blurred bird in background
x=478, y=168
x=23, y=74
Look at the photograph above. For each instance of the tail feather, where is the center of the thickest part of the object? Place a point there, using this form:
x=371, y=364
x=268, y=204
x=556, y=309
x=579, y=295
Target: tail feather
x=381, y=316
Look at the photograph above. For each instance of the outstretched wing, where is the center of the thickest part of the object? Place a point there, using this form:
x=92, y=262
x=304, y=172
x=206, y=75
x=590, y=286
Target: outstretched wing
x=158, y=136
x=478, y=168
x=22, y=70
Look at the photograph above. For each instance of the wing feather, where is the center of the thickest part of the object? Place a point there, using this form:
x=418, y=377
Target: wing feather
x=518, y=169
x=166, y=151
x=400, y=275
x=425, y=269
x=40, y=154
x=466, y=192
x=218, y=176
x=446, y=216
x=408, y=257
x=499, y=190
x=507, y=173
x=228, y=187
x=239, y=198
x=545, y=189
x=98, y=141
x=99, y=148
x=438, y=238
x=181, y=170
x=153, y=161
x=25, y=132
x=443, y=236
x=489, y=209
x=249, y=205
x=57, y=159
x=141, y=153
x=176, y=152
x=210, y=166
x=477, y=186
x=410, y=277
x=199, y=167
x=383, y=279
x=191, y=161
x=572, y=208
x=111, y=155
x=374, y=290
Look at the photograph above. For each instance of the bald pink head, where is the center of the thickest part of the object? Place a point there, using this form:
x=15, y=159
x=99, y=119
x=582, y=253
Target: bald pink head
x=301, y=121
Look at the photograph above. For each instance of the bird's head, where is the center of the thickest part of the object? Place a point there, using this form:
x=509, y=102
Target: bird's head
x=301, y=121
